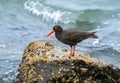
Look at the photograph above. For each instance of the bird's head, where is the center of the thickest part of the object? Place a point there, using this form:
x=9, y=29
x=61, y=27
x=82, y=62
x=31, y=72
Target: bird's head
x=56, y=28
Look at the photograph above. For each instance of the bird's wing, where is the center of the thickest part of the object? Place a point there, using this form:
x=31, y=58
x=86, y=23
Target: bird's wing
x=74, y=35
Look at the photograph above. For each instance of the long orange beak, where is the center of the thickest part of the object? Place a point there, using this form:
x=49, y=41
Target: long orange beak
x=52, y=31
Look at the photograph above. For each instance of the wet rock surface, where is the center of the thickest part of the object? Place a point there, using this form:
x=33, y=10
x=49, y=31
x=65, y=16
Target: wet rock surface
x=43, y=62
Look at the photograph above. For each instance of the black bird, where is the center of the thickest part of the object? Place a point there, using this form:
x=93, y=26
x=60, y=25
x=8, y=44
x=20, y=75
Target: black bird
x=71, y=36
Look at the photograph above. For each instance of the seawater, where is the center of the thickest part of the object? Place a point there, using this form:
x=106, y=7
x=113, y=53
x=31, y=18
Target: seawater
x=23, y=21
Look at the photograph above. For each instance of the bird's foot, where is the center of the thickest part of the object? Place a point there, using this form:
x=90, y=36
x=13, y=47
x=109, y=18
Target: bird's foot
x=70, y=56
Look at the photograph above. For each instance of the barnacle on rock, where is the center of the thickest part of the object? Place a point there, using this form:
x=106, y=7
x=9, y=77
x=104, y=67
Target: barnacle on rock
x=43, y=62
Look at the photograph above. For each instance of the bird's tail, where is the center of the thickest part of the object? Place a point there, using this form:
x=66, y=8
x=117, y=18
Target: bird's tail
x=93, y=35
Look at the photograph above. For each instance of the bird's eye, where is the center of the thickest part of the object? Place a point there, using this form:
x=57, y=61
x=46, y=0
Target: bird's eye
x=55, y=28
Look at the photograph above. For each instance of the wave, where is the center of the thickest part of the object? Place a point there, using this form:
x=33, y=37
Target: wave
x=53, y=13
x=47, y=13
x=108, y=54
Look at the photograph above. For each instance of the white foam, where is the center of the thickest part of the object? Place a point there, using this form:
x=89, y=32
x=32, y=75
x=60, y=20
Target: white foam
x=47, y=13
x=2, y=46
x=96, y=41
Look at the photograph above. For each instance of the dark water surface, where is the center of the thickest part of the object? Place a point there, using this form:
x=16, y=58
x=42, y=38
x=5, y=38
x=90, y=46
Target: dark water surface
x=22, y=21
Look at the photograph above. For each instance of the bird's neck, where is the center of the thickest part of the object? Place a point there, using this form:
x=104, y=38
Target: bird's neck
x=58, y=34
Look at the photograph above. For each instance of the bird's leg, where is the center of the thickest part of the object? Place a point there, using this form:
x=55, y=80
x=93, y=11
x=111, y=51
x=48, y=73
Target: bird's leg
x=72, y=51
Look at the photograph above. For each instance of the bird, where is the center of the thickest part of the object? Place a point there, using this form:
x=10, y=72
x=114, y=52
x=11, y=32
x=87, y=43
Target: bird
x=71, y=37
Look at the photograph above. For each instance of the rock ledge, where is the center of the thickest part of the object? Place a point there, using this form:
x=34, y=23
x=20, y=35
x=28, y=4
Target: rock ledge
x=43, y=62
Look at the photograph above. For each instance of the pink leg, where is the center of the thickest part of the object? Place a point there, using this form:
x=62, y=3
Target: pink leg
x=72, y=51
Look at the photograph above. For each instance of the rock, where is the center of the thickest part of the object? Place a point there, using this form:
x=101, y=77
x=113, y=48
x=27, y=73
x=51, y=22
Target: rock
x=43, y=62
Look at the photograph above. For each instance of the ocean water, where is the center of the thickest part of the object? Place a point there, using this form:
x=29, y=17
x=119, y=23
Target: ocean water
x=23, y=21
